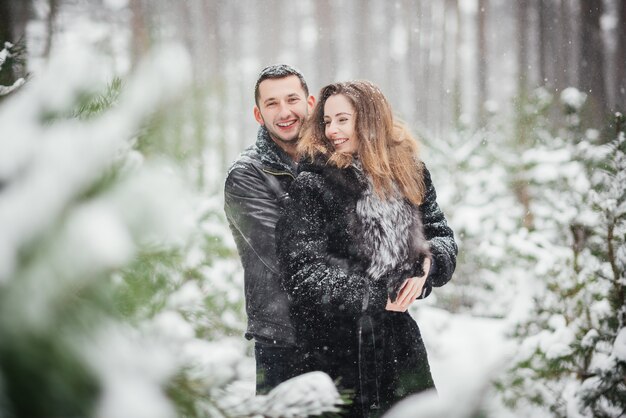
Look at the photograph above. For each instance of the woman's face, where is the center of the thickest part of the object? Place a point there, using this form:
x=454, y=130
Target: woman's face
x=339, y=118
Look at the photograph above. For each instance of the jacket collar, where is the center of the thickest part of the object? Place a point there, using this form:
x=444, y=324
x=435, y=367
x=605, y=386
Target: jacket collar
x=271, y=154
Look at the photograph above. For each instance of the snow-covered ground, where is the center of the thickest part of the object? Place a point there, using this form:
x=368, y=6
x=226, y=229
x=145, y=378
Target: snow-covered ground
x=461, y=347
x=466, y=353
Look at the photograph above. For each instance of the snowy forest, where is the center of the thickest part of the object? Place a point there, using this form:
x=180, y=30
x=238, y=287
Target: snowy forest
x=121, y=291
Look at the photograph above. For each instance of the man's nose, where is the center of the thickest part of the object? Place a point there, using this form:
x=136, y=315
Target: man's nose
x=284, y=110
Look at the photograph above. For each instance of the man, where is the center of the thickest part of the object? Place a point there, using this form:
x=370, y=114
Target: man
x=254, y=187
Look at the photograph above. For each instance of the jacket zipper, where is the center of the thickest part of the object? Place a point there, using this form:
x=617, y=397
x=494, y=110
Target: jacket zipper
x=278, y=173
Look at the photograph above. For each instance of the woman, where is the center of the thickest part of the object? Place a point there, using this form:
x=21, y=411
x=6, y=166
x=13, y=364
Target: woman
x=360, y=239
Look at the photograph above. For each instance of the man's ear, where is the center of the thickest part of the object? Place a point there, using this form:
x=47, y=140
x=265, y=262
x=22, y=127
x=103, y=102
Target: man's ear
x=311, y=102
x=257, y=116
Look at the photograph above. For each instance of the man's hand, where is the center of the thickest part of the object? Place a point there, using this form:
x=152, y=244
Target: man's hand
x=410, y=290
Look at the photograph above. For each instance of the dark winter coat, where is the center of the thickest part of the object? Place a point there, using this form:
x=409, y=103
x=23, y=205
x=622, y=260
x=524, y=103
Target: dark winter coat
x=254, y=188
x=343, y=251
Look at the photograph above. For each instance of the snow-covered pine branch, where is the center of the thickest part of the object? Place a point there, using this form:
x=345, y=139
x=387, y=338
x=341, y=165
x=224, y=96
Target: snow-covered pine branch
x=4, y=54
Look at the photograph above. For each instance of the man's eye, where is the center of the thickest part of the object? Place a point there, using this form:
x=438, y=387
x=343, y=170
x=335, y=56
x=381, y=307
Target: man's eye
x=294, y=100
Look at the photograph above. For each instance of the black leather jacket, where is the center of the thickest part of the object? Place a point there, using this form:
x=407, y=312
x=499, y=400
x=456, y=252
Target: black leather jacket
x=256, y=183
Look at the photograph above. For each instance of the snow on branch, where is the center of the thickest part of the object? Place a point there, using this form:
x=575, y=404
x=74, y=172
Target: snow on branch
x=43, y=165
x=310, y=394
x=4, y=54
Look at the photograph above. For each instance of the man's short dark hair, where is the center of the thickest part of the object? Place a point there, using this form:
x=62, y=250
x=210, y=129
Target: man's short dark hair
x=278, y=71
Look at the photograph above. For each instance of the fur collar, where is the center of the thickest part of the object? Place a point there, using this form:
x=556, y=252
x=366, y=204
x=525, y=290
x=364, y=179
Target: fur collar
x=388, y=232
x=351, y=180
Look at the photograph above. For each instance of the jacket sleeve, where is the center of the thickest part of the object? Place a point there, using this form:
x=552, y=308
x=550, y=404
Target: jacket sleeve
x=308, y=276
x=252, y=212
x=440, y=237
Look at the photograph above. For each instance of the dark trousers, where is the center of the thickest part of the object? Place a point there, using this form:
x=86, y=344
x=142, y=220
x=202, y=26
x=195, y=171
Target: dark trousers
x=274, y=365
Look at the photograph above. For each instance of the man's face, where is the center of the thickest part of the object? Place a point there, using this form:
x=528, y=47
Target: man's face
x=282, y=109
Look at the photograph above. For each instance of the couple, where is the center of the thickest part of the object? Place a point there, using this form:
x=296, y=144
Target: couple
x=338, y=229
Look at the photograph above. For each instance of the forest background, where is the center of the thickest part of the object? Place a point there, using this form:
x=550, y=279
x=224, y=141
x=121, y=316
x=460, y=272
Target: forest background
x=121, y=293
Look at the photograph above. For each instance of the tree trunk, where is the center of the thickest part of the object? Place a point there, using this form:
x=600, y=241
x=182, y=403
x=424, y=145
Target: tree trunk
x=522, y=137
x=14, y=16
x=425, y=26
x=6, y=23
x=50, y=21
x=212, y=13
x=481, y=39
x=550, y=59
x=184, y=18
x=620, y=59
x=422, y=69
x=362, y=41
x=542, y=47
x=592, y=62
x=439, y=86
x=411, y=63
x=547, y=47
x=457, y=106
x=327, y=61
x=270, y=17
x=522, y=47
x=561, y=45
x=388, y=67
x=567, y=44
x=140, y=31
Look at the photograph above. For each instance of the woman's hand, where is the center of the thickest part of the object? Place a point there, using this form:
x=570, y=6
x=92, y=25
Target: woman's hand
x=410, y=290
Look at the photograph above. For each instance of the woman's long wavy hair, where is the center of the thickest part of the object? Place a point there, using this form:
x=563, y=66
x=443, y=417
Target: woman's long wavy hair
x=387, y=150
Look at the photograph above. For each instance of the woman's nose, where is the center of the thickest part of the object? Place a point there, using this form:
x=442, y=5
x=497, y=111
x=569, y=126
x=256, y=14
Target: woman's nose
x=331, y=130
